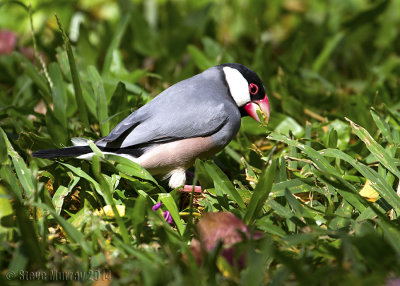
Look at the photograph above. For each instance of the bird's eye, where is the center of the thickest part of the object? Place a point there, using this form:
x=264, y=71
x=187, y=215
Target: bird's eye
x=253, y=88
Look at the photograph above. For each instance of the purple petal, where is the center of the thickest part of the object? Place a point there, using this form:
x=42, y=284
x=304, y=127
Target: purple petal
x=156, y=206
x=229, y=254
x=168, y=217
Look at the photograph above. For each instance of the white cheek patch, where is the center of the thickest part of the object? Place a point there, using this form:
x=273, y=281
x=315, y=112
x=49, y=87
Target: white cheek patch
x=238, y=86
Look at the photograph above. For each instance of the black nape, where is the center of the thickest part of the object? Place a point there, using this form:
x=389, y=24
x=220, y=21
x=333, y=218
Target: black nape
x=243, y=112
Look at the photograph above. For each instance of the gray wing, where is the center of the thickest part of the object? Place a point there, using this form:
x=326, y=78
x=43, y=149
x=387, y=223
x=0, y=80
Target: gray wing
x=197, y=107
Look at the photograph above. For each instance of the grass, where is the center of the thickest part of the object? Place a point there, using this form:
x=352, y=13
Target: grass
x=331, y=72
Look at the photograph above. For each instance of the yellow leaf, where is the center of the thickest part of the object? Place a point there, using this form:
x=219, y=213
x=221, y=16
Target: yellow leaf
x=369, y=192
x=225, y=268
x=107, y=211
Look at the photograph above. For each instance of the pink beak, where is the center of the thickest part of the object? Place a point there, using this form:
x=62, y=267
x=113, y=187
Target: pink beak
x=262, y=105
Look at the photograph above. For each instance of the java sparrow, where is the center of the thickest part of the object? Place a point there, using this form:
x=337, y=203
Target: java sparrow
x=194, y=118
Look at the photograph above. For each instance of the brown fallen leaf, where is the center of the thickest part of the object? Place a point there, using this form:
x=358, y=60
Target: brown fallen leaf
x=225, y=228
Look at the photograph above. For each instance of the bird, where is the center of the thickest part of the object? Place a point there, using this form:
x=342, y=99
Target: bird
x=194, y=118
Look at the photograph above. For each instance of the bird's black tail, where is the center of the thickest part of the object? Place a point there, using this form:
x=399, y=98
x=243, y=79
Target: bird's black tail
x=73, y=151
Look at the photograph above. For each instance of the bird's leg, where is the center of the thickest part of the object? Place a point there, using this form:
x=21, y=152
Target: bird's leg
x=189, y=188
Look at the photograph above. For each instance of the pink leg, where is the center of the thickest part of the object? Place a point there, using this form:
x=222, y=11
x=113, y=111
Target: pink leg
x=188, y=189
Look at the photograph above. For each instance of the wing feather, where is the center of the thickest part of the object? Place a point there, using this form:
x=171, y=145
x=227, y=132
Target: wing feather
x=185, y=110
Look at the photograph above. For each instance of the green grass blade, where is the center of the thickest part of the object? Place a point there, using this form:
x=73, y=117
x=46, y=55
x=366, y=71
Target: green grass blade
x=223, y=184
x=5, y=207
x=4, y=160
x=377, y=181
x=101, y=100
x=366, y=16
x=285, y=212
x=132, y=169
x=107, y=190
x=138, y=216
x=297, y=207
x=145, y=258
x=59, y=94
x=343, y=188
x=56, y=130
x=58, y=198
x=171, y=206
x=29, y=237
x=319, y=161
x=115, y=42
x=294, y=186
x=317, y=158
x=24, y=174
x=325, y=168
x=96, y=149
x=375, y=148
x=260, y=193
x=74, y=234
x=35, y=76
x=327, y=51
x=201, y=60
x=79, y=172
x=392, y=234
x=75, y=78
x=26, y=227
x=383, y=126
x=7, y=174
x=19, y=260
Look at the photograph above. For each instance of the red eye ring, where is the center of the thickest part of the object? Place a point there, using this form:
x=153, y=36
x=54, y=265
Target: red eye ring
x=253, y=88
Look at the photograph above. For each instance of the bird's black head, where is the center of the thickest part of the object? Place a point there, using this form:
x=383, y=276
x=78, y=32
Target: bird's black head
x=256, y=87
x=247, y=89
